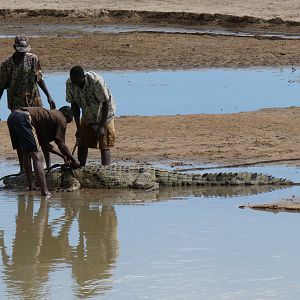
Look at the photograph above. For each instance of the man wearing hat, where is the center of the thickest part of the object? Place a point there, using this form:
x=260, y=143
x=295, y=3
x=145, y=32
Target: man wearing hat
x=21, y=75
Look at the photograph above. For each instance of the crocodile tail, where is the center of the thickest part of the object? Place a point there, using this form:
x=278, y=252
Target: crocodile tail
x=168, y=178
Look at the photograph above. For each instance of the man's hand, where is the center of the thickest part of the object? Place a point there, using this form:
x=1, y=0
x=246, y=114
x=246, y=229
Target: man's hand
x=75, y=163
x=51, y=103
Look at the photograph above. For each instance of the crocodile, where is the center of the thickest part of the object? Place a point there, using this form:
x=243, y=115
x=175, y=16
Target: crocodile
x=142, y=177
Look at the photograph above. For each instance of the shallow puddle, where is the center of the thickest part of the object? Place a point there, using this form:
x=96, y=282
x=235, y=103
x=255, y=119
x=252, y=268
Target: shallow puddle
x=77, y=30
x=173, y=244
x=191, y=92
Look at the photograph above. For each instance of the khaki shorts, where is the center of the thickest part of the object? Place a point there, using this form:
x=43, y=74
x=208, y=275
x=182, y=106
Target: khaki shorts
x=88, y=136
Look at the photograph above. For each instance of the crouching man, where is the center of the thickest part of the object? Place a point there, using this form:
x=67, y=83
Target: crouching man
x=34, y=128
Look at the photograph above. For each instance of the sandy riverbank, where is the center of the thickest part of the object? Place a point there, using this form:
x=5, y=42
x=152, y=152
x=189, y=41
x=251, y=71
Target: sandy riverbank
x=233, y=138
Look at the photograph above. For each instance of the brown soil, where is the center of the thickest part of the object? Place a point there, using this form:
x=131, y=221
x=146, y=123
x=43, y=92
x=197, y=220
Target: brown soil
x=138, y=51
x=232, y=138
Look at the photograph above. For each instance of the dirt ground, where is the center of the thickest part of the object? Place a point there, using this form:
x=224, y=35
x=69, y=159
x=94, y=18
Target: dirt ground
x=225, y=139
x=233, y=138
x=140, y=51
x=288, y=9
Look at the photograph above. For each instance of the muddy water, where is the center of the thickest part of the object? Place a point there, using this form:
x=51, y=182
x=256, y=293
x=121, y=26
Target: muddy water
x=77, y=30
x=173, y=244
x=191, y=92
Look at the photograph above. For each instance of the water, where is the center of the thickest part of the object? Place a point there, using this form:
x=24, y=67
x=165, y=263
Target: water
x=190, y=92
x=172, y=244
x=77, y=30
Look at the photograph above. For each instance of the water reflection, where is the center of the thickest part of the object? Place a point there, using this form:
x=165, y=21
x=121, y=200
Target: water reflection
x=79, y=231
x=68, y=247
x=37, y=249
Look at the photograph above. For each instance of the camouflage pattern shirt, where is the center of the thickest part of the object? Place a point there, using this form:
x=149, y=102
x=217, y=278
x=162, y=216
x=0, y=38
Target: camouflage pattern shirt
x=20, y=81
x=90, y=98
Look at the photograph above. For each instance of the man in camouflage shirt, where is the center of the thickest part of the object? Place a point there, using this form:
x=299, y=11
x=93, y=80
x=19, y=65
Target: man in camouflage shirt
x=21, y=75
x=88, y=91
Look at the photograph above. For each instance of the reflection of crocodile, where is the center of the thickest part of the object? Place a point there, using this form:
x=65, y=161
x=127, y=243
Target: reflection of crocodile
x=140, y=197
x=143, y=177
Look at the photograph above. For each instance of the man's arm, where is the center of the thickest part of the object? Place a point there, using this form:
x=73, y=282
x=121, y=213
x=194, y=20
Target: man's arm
x=103, y=117
x=44, y=88
x=104, y=114
x=104, y=96
x=50, y=148
x=66, y=152
x=76, y=113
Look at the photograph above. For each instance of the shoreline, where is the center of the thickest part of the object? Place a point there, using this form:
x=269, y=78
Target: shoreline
x=268, y=134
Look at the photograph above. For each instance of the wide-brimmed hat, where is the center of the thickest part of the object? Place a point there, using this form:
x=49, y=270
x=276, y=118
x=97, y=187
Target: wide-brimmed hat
x=22, y=43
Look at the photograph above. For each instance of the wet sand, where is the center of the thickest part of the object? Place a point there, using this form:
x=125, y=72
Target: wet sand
x=224, y=139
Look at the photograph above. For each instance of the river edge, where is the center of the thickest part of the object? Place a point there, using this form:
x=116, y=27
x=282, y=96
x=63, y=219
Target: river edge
x=247, y=137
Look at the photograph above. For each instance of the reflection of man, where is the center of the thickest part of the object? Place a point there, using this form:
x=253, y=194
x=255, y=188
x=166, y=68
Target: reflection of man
x=42, y=246
x=97, y=248
x=49, y=125
x=87, y=91
x=21, y=75
x=22, y=270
